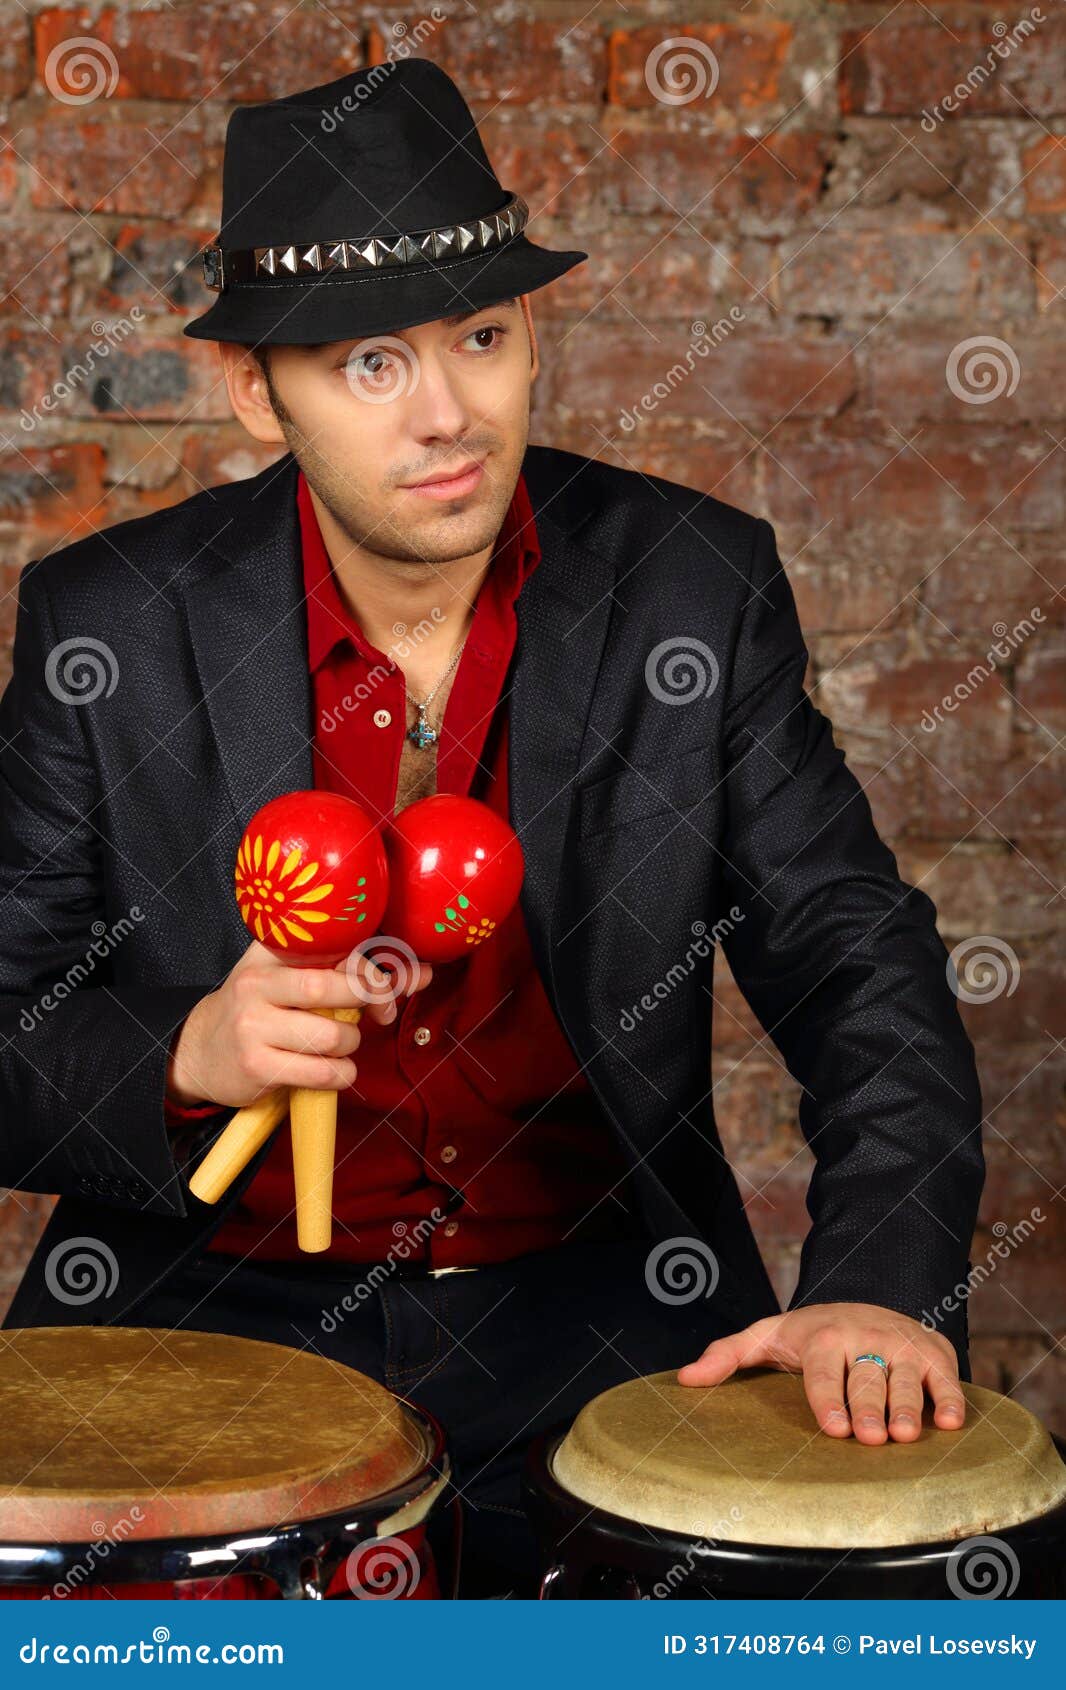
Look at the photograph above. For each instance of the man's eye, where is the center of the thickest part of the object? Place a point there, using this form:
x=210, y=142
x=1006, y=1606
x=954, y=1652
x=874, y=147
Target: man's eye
x=487, y=329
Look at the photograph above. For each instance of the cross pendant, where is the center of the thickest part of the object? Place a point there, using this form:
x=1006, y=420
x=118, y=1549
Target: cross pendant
x=422, y=734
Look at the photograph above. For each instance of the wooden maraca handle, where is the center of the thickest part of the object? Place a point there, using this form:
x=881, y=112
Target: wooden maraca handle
x=313, y=1122
x=246, y=1131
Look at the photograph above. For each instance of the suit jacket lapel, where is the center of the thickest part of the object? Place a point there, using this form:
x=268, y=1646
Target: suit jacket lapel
x=248, y=625
x=563, y=613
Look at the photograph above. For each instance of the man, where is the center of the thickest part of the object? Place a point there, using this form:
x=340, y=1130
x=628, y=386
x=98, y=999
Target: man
x=413, y=599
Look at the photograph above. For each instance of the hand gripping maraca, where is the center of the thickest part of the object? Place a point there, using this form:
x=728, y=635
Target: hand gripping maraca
x=454, y=873
x=311, y=880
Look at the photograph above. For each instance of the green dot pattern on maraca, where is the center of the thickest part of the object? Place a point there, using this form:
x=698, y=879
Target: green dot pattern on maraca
x=455, y=923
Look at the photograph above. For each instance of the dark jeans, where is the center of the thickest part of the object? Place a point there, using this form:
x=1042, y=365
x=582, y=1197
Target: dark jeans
x=497, y=1355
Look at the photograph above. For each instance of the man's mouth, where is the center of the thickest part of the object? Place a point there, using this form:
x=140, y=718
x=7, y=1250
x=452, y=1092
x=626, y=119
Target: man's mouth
x=451, y=484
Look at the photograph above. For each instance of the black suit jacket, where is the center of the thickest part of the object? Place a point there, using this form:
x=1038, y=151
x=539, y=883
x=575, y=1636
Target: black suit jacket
x=644, y=821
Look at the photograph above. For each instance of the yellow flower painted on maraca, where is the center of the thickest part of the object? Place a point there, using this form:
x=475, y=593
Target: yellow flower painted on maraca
x=311, y=874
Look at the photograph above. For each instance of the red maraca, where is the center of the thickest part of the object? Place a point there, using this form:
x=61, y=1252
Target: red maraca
x=455, y=872
x=311, y=879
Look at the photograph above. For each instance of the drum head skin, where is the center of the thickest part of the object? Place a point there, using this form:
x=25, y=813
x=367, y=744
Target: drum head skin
x=745, y=1461
x=148, y=1432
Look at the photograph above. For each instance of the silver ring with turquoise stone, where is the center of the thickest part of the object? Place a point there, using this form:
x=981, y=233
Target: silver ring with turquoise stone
x=868, y=1355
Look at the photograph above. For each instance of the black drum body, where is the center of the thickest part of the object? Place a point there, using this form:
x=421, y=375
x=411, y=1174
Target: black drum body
x=590, y=1553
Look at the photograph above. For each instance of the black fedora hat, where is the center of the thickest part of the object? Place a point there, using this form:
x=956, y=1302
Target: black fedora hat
x=360, y=206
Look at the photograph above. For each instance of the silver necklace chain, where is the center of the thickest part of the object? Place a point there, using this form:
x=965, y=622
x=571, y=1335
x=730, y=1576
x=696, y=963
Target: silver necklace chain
x=422, y=734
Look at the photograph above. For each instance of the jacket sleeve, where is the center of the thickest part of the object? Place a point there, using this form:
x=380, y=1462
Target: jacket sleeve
x=82, y=1061
x=842, y=963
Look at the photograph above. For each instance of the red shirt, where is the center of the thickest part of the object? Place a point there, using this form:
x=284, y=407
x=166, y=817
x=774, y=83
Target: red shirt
x=471, y=1103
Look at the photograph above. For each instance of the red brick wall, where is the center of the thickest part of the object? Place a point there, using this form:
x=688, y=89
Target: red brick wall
x=809, y=182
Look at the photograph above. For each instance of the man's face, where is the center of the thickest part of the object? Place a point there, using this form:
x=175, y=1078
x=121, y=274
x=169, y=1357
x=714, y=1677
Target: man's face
x=367, y=419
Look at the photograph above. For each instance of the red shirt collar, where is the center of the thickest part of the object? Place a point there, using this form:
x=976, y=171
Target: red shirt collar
x=515, y=555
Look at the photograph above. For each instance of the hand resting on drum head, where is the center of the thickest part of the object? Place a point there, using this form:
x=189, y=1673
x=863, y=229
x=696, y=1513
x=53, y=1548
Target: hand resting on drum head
x=832, y=1344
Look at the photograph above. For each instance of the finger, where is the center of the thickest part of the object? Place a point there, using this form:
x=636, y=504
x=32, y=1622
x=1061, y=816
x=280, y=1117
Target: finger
x=304, y=1033
x=824, y=1363
x=906, y=1399
x=722, y=1357
x=866, y=1401
x=311, y=1073
x=362, y=986
x=949, y=1404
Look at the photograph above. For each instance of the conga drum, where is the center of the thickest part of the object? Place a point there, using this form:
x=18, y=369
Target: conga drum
x=664, y=1490
x=145, y=1462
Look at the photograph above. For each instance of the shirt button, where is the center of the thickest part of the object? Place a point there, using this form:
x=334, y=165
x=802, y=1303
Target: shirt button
x=382, y=718
x=451, y=1229
x=422, y=1035
x=449, y=1153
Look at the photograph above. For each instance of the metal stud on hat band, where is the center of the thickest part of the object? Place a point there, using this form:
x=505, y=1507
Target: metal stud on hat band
x=364, y=252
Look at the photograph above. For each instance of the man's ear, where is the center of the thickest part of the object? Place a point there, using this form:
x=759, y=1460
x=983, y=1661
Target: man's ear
x=527, y=312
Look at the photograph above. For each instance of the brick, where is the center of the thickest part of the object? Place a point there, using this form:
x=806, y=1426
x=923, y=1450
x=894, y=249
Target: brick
x=990, y=373
x=650, y=276
x=35, y=267
x=990, y=888
x=812, y=377
x=717, y=461
x=54, y=491
x=223, y=454
x=1028, y=1367
x=923, y=272
x=550, y=160
x=966, y=167
x=16, y=56
x=878, y=687
x=518, y=60
x=904, y=68
x=760, y=184
x=1049, y=267
x=201, y=51
x=142, y=376
x=9, y=167
x=153, y=265
x=944, y=485
x=735, y=67
x=1044, y=164
x=995, y=574
x=113, y=164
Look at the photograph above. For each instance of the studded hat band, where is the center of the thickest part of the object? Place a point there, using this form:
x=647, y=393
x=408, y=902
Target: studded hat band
x=364, y=252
